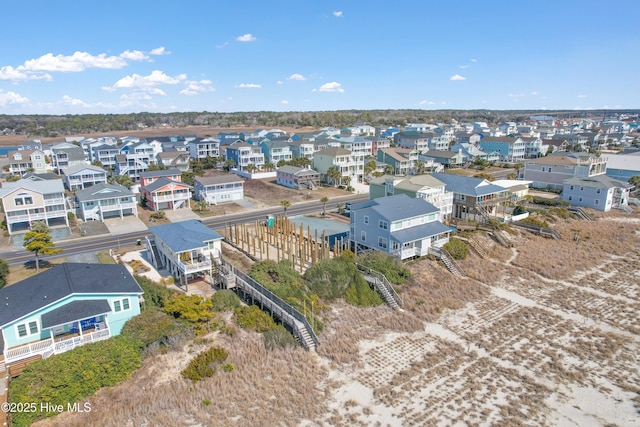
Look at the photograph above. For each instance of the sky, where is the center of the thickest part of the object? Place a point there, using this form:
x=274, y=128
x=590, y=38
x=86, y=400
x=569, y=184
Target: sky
x=87, y=57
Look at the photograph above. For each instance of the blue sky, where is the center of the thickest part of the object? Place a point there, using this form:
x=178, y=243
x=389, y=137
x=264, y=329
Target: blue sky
x=77, y=57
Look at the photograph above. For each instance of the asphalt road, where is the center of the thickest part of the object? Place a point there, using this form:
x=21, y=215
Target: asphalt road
x=96, y=243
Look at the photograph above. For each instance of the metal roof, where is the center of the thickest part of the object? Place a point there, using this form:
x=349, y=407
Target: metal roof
x=185, y=235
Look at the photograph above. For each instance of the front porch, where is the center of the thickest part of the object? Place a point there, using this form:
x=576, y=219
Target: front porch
x=55, y=344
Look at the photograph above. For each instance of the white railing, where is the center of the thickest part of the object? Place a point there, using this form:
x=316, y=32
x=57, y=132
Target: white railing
x=28, y=350
x=71, y=343
x=117, y=206
x=48, y=346
x=56, y=201
x=37, y=216
x=194, y=267
x=173, y=197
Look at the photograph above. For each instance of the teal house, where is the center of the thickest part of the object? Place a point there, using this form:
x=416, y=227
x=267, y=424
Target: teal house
x=67, y=306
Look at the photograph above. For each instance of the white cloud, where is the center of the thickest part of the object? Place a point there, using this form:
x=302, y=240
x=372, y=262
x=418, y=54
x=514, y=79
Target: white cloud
x=279, y=82
x=331, y=87
x=516, y=95
x=582, y=96
x=17, y=74
x=156, y=78
x=248, y=86
x=10, y=97
x=134, y=55
x=160, y=51
x=220, y=46
x=457, y=77
x=296, y=76
x=337, y=13
x=534, y=93
x=285, y=102
x=473, y=60
x=246, y=38
x=67, y=100
x=195, y=87
x=464, y=66
x=425, y=102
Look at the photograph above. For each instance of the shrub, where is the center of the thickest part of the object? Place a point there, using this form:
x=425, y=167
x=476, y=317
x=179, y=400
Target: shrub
x=204, y=364
x=535, y=220
x=457, y=248
x=561, y=213
x=361, y=294
x=192, y=308
x=225, y=300
x=549, y=202
x=278, y=337
x=72, y=376
x=251, y=317
x=152, y=326
x=392, y=267
x=519, y=210
x=154, y=293
x=4, y=272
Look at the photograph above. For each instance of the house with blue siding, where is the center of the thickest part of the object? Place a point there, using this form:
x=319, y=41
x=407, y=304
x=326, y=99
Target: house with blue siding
x=510, y=149
x=623, y=166
x=598, y=192
x=64, y=307
x=401, y=226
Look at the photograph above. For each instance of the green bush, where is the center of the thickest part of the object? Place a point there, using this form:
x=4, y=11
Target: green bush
x=204, y=364
x=4, y=272
x=563, y=213
x=392, y=267
x=72, y=376
x=457, y=248
x=549, y=202
x=281, y=278
x=330, y=278
x=152, y=326
x=278, y=337
x=192, y=308
x=251, y=317
x=361, y=294
x=154, y=294
x=225, y=300
x=535, y=220
x=519, y=210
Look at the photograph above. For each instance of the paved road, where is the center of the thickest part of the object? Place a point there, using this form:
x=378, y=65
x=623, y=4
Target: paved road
x=97, y=243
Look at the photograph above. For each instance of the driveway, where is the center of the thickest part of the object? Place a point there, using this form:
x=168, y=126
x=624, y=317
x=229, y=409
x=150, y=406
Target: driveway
x=128, y=224
x=181, y=215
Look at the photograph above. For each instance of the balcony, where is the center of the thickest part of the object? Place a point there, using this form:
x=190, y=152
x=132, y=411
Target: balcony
x=172, y=197
x=47, y=347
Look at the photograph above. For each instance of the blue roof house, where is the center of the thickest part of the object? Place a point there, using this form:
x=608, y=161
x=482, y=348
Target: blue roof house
x=67, y=306
x=187, y=249
x=474, y=199
x=401, y=226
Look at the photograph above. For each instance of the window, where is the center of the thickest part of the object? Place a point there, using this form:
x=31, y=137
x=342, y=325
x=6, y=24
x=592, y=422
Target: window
x=581, y=188
x=125, y=304
x=382, y=242
x=570, y=198
x=549, y=168
x=366, y=219
x=580, y=199
x=597, y=202
x=383, y=224
x=598, y=191
x=395, y=246
x=571, y=188
x=544, y=169
x=26, y=329
x=116, y=306
x=363, y=235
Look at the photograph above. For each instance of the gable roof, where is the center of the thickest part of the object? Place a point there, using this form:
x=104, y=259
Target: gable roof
x=102, y=191
x=597, y=181
x=162, y=182
x=333, y=152
x=468, y=185
x=160, y=173
x=397, y=207
x=185, y=235
x=44, y=187
x=77, y=168
x=219, y=179
x=73, y=152
x=61, y=281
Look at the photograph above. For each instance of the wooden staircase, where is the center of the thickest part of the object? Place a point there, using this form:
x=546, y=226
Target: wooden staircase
x=448, y=261
x=382, y=285
x=476, y=245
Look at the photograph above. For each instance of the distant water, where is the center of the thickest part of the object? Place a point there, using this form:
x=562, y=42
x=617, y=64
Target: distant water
x=4, y=151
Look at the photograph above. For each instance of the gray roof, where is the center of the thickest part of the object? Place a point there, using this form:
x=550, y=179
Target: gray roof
x=185, y=235
x=161, y=182
x=598, y=181
x=467, y=185
x=297, y=171
x=219, y=179
x=102, y=191
x=74, y=152
x=158, y=173
x=44, y=187
x=420, y=232
x=74, y=311
x=400, y=206
x=77, y=168
x=61, y=281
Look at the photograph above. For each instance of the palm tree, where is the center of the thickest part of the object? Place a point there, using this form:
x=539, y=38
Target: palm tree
x=268, y=166
x=202, y=206
x=251, y=168
x=334, y=174
x=324, y=201
x=285, y=205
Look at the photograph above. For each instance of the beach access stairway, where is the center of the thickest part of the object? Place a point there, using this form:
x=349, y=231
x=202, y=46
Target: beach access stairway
x=381, y=285
x=248, y=288
x=448, y=261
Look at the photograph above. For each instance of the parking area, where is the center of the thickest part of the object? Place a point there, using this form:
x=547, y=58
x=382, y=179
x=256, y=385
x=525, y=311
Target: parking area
x=128, y=224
